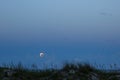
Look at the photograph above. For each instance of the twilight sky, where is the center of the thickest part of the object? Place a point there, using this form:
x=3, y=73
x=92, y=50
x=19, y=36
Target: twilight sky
x=82, y=30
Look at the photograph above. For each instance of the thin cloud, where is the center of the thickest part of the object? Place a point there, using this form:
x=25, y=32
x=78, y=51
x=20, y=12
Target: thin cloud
x=105, y=14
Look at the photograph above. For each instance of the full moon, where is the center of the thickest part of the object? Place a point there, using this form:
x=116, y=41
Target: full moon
x=41, y=54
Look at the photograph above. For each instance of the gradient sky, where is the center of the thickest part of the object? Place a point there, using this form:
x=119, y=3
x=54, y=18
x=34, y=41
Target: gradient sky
x=81, y=30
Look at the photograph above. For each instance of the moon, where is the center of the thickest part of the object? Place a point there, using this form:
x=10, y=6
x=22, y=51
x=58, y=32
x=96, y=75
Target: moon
x=41, y=54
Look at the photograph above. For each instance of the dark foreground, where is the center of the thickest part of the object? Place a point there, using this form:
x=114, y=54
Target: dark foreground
x=69, y=71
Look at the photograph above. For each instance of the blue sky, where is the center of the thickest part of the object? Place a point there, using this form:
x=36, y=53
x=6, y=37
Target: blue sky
x=82, y=30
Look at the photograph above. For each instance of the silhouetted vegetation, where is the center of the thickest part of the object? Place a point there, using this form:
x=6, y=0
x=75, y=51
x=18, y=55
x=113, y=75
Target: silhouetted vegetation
x=69, y=71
